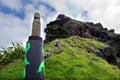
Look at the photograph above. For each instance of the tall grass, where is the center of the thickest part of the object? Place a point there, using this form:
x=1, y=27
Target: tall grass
x=16, y=51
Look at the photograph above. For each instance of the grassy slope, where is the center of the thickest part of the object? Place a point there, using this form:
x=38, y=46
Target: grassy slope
x=73, y=62
x=13, y=71
x=69, y=61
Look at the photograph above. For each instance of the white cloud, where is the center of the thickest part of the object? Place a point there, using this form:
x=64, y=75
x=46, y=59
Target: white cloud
x=13, y=4
x=106, y=11
x=12, y=28
x=29, y=12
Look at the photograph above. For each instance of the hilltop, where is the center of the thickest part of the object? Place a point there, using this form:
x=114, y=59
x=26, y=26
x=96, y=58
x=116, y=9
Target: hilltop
x=71, y=61
x=64, y=27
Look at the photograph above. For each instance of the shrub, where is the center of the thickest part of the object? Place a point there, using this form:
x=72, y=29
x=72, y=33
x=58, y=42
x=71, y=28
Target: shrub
x=16, y=51
x=53, y=32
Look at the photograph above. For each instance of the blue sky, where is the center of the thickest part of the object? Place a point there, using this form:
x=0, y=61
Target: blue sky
x=16, y=16
x=6, y=10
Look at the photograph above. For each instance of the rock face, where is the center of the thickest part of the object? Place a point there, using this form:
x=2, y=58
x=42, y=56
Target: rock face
x=109, y=55
x=86, y=30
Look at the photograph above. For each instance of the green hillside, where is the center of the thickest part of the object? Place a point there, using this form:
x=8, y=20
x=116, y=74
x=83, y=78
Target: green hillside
x=69, y=61
x=13, y=71
x=73, y=62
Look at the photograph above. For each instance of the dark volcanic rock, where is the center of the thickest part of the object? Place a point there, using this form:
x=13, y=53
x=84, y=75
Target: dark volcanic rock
x=60, y=20
x=99, y=53
x=109, y=54
x=64, y=27
x=111, y=30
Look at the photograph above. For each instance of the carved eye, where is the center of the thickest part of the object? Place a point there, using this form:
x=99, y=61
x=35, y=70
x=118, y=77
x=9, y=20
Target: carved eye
x=37, y=18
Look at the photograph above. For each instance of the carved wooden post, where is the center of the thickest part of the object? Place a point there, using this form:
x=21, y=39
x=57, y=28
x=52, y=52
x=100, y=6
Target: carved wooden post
x=34, y=53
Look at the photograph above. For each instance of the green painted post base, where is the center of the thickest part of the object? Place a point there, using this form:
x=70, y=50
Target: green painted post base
x=34, y=59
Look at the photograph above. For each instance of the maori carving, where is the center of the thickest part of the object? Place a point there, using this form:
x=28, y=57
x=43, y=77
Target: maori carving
x=36, y=25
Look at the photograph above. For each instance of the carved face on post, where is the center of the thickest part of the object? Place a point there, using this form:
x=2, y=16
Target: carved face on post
x=37, y=16
x=36, y=25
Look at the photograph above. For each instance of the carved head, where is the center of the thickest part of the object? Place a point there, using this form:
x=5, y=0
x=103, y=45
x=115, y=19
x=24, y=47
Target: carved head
x=36, y=15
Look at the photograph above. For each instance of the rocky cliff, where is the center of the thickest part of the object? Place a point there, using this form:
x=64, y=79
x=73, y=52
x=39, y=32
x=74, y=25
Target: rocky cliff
x=64, y=27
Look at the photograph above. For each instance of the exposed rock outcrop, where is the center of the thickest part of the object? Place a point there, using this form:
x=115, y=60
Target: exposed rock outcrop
x=86, y=30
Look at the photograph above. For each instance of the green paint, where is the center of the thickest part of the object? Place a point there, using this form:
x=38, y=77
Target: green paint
x=43, y=59
x=27, y=47
x=41, y=66
x=26, y=61
x=24, y=75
